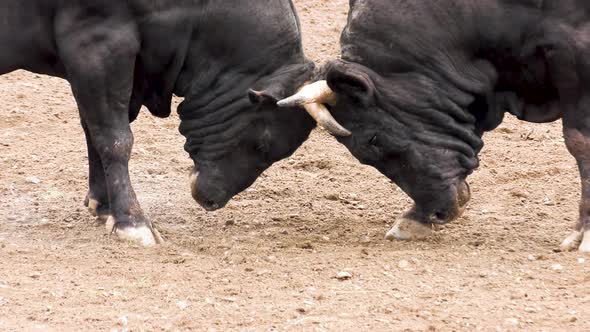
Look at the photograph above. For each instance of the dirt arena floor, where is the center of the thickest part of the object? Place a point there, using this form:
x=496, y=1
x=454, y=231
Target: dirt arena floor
x=269, y=260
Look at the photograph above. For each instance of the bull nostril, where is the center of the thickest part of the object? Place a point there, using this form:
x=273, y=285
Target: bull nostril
x=211, y=204
x=463, y=194
x=439, y=218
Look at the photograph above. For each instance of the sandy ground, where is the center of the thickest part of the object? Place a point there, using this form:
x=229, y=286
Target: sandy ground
x=269, y=260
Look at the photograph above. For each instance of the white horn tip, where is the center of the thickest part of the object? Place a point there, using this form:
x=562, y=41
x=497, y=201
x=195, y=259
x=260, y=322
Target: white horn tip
x=291, y=102
x=340, y=132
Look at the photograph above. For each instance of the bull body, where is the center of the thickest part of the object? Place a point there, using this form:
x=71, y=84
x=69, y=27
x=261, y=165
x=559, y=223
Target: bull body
x=120, y=55
x=420, y=81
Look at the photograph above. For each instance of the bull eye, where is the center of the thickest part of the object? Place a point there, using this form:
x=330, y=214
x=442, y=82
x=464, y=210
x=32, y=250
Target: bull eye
x=262, y=147
x=264, y=142
x=373, y=140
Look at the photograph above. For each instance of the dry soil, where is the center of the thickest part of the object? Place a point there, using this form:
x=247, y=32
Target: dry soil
x=269, y=260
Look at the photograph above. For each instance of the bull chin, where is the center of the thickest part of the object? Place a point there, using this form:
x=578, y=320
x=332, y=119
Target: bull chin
x=409, y=228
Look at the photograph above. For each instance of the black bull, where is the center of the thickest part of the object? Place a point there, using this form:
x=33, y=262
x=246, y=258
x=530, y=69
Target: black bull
x=420, y=81
x=121, y=54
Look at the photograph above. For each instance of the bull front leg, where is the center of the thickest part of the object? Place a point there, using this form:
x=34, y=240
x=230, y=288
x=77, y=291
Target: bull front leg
x=99, y=62
x=577, y=140
x=127, y=220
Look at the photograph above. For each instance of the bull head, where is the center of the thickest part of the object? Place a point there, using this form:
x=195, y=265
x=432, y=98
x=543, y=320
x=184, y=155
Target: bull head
x=403, y=127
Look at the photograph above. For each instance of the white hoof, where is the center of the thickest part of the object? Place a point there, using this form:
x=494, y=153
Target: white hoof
x=571, y=241
x=142, y=234
x=93, y=207
x=585, y=245
x=407, y=229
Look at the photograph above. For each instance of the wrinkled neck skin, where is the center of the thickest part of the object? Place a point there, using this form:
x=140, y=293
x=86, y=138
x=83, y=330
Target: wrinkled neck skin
x=212, y=116
x=217, y=111
x=444, y=73
x=223, y=60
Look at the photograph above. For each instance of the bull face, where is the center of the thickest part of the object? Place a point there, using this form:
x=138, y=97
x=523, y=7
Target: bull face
x=408, y=129
x=232, y=146
x=268, y=137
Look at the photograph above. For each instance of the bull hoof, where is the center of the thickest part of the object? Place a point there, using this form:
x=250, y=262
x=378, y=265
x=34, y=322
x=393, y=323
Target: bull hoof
x=572, y=241
x=96, y=209
x=585, y=245
x=142, y=234
x=408, y=230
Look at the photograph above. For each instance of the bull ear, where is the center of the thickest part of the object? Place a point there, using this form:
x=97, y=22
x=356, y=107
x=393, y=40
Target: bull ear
x=349, y=79
x=280, y=84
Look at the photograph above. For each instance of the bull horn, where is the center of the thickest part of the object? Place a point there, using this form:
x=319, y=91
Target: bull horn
x=318, y=92
x=323, y=117
x=312, y=97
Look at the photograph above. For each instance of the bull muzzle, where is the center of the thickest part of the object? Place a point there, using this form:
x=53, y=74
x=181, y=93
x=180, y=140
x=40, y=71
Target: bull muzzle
x=408, y=228
x=462, y=196
x=207, y=204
